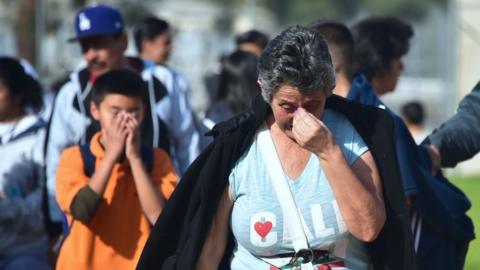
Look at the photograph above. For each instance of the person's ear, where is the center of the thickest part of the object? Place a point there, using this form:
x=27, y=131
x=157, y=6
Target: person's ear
x=145, y=45
x=124, y=41
x=94, y=111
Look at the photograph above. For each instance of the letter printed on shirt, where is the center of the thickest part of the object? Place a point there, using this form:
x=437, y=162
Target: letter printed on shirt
x=319, y=223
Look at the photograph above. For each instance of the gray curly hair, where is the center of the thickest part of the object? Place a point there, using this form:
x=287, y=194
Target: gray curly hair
x=297, y=57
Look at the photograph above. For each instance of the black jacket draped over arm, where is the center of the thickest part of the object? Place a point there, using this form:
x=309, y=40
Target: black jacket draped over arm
x=179, y=233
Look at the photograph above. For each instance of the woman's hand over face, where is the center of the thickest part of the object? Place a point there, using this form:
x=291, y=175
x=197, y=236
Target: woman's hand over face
x=311, y=133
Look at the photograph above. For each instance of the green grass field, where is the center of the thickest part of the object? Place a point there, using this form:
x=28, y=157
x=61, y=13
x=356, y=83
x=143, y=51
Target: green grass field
x=471, y=186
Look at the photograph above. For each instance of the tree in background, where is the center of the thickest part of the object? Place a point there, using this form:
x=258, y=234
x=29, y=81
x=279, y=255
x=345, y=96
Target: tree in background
x=25, y=30
x=303, y=11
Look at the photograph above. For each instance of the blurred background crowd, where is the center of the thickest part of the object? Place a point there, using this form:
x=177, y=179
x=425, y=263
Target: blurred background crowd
x=440, y=68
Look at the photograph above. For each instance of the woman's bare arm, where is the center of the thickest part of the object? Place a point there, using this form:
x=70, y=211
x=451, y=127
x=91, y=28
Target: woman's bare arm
x=216, y=242
x=358, y=189
x=359, y=194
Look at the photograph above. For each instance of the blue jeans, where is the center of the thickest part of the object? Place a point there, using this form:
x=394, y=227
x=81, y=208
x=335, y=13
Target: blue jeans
x=34, y=258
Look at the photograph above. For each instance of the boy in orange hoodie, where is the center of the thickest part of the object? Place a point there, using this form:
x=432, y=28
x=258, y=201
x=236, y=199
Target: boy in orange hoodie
x=110, y=214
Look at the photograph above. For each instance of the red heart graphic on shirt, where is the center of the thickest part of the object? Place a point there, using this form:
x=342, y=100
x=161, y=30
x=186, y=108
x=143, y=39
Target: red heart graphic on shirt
x=263, y=228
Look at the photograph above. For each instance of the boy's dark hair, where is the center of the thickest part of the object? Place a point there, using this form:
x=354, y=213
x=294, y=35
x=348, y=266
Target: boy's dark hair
x=252, y=36
x=378, y=41
x=148, y=29
x=413, y=112
x=20, y=84
x=118, y=81
x=340, y=43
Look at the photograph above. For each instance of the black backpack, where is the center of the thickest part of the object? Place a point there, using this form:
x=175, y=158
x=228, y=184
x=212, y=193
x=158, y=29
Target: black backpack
x=89, y=159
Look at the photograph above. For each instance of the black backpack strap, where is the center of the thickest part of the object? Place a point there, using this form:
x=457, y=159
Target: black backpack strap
x=147, y=156
x=83, y=79
x=88, y=159
x=84, y=102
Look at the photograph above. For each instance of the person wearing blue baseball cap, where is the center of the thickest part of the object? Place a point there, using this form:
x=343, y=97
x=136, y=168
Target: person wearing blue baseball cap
x=97, y=20
x=168, y=123
x=100, y=33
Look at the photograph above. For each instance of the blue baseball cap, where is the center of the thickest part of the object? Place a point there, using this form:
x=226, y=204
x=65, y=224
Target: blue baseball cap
x=97, y=20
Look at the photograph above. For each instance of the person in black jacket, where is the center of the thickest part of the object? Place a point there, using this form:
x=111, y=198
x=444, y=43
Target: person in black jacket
x=457, y=139
x=342, y=196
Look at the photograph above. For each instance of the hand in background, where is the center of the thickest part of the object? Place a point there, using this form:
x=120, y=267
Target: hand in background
x=435, y=157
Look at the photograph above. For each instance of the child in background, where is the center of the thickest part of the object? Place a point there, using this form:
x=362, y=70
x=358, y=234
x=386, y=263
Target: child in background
x=414, y=116
x=23, y=243
x=110, y=214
